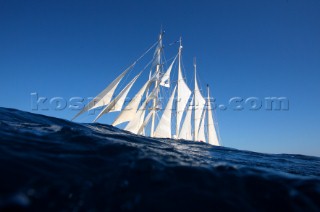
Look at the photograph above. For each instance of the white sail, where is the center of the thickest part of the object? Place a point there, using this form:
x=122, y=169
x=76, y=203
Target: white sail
x=163, y=129
x=135, y=123
x=146, y=121
x=117, y=102
x=185, y=131
x=130, y=110
x=212, y=134
x=183, y=95
x=105, y=96
x=165, y=80
x=192, y=120
x=199, y=103
x=201, y=132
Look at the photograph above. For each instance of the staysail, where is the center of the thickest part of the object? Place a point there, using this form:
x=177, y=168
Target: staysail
x=135, y=123
x=105, y=96
x=165, y=80
x=183, y=94
x=212, y=134
x=130, y=110
x=185, y=131
x=117, y=102
x=163, y=129
x=146, y=121
x=201, y=132
x=199, y=103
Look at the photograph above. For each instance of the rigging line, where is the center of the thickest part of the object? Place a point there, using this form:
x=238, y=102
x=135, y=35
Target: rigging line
x=167, y=63
x=174, y=72
x=146, y=66
x=177, y=41
x=141, y=70
x=147, y=51
x=123, y=82
x=199, y=80
x=164, y=59
x=132, y=66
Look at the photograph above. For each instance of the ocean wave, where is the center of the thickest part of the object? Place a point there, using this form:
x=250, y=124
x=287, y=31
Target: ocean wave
x=50, y=164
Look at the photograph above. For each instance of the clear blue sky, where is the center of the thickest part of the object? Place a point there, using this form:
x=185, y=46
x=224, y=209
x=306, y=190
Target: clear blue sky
x=244, y=48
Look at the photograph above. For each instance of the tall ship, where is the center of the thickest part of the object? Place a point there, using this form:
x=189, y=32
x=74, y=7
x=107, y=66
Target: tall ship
x=164, y=106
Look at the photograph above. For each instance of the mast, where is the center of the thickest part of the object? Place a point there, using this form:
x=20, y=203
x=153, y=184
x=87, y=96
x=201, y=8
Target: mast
x=178, y=82
x=154, y=107
x=195, y=133
x=157, y=81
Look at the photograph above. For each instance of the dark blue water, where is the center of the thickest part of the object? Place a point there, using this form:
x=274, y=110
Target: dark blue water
x=49, y=164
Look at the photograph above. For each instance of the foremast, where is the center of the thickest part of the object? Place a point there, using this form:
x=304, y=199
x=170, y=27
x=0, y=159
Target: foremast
x=155, y=107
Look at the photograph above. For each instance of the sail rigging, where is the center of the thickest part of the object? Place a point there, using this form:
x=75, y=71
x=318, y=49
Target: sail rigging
x=184, y=116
